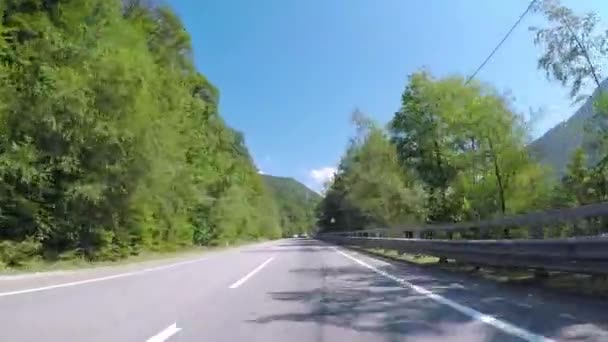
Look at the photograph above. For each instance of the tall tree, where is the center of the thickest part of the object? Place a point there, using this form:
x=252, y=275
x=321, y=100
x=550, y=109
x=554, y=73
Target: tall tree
x=110, y=141
x=371, y=188
x=572, y=45
x=425, y=143
x=466, y=144
x=576, y=183
x=393, y=198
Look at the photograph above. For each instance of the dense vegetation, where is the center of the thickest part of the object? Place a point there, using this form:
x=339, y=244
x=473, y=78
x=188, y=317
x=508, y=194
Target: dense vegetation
x=452, y=152
x=557, y=145
x=457, y=151
x=296, y=204
x=573, y=50
x=111, y=141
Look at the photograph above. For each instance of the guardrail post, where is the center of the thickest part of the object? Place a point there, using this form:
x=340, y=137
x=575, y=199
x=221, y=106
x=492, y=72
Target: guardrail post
x=444, y=260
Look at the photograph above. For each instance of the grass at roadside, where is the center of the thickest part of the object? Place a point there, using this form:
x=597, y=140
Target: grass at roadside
x=41, y=265
x=418, y=259
x=565, y=282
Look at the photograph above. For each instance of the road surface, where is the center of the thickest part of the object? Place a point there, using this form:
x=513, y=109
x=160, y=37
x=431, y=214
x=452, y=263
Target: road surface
x=289, y=290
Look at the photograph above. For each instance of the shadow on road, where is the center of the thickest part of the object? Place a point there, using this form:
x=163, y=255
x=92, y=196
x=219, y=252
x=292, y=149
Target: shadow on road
x=296, y=245
x=358, y=299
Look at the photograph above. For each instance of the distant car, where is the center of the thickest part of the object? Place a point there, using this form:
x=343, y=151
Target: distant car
x=295, y=236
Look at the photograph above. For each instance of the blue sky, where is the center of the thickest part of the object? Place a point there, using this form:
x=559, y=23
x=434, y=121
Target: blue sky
x=290, y=72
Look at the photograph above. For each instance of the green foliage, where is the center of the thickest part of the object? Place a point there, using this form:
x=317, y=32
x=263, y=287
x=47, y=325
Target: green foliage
x=110, y=141
x=576, y=183
x=573, y=48
x=15, y=253
x=572, y=45
x=557, y=145
x=583, y=182
x=453, y=152
x=296, y=204
x=370, y=188
x=392, y=199
x=337, y=211
x=467, y=147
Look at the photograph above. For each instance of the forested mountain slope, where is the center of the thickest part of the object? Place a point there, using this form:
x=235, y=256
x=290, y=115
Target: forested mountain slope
x=110, y=141
x=296, y=204
x=556, y=146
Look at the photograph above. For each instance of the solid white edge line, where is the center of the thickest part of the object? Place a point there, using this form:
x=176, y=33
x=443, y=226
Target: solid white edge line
x=94, y=280
x=250, y=274
x=474, y=314
x=165, y=334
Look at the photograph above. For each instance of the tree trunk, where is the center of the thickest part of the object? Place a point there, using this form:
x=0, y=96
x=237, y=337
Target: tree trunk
x=497, y=173
x=585, y=53
x=443, y=180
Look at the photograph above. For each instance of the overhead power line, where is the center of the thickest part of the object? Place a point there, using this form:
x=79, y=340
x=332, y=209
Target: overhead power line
x=502, y=41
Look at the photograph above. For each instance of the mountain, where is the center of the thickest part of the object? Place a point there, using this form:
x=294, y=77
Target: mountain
x=556, y=146
x=296, y=204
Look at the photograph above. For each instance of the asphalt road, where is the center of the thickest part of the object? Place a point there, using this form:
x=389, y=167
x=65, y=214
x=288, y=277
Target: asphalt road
x=290, y=290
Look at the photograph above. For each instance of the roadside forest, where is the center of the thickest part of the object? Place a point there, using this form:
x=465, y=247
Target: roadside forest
x=111, y=142
x=457, y=150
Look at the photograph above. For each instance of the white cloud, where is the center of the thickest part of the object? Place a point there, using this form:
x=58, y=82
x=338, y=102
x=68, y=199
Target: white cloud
x=261, y=172
x=322, y=175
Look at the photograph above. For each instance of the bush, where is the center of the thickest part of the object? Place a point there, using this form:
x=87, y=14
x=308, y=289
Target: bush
x=14, y=254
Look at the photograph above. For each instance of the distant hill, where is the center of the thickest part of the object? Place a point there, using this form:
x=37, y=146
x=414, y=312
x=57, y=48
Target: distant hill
x=296, y=203
x=556, y=146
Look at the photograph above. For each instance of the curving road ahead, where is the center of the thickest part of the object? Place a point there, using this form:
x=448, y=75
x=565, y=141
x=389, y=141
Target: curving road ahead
x=289, y=290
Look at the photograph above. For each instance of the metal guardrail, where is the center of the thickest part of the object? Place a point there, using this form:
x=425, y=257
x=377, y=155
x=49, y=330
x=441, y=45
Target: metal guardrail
x=579, y=254
x=541, y=218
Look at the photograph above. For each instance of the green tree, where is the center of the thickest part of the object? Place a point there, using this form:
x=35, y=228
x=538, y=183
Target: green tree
x=336, y=211
x=425, y=143
x=370, y=188
x=376, y=183
x=110, y=141
x=576, y=182
x=467, y=147
x=573, y=48
x=572, y=45
x=296, y=204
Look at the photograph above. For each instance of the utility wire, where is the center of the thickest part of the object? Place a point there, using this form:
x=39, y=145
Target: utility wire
x=502, y=41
